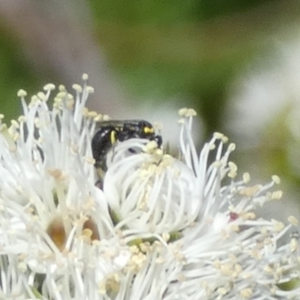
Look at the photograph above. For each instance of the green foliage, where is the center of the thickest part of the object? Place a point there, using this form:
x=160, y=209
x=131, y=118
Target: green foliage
x=162, y=50
x=143, y=12
x=15, y=74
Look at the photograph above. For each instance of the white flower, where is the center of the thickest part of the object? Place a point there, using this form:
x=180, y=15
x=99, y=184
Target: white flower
x=161, y=227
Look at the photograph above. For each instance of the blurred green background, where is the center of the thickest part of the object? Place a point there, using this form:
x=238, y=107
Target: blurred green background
x=190, y=52
x=162, y=49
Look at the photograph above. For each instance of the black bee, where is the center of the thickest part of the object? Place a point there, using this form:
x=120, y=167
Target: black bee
x=112, y=131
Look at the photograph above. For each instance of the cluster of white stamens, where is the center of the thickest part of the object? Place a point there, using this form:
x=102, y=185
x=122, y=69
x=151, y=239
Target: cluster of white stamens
x=160, y=227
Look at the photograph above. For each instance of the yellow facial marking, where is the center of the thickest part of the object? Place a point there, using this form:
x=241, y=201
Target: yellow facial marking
x=148, y=130
x=113, y=137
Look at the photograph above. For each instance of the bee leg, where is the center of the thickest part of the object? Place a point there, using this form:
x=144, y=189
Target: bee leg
x=101, y=174
x=158, y=140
